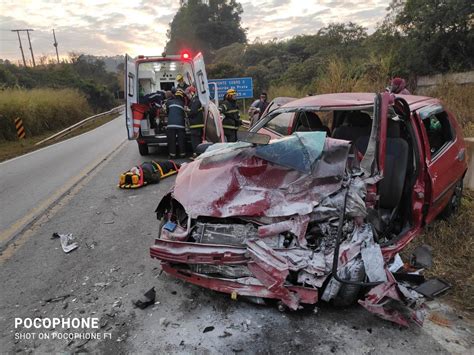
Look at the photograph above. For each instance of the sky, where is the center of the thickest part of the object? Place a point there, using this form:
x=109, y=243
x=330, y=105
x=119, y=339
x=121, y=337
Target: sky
x=111, y=27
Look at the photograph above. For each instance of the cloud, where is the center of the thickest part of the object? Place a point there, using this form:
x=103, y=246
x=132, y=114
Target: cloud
x=109, y=27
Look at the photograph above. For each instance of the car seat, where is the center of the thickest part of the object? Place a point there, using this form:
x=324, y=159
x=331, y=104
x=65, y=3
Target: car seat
x=309, y=122
x=358, y=124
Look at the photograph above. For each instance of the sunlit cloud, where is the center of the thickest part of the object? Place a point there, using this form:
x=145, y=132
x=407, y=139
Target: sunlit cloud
x=120, y=26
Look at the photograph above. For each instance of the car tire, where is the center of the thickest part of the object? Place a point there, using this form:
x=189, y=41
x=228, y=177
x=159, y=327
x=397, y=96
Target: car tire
x=143, y=148
x=454, y=204
x=349, y=294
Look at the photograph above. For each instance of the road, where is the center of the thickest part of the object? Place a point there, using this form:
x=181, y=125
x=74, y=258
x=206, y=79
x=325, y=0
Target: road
x=34, y=181
x=111, y=268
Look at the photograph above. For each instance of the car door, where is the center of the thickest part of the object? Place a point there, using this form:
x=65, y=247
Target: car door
x=444, y=156
x=131, y=94
x=213, y=131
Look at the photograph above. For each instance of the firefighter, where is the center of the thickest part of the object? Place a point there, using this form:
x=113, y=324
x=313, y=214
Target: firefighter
x=398, y=86
x=181, y=84
x=196, y=118
x=176, y=124
x=231, y=121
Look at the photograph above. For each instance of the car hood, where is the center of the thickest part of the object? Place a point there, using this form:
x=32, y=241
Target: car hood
x=236, y=179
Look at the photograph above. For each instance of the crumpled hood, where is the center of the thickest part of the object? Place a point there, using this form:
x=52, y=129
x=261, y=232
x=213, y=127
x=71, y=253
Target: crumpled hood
x=233, y=181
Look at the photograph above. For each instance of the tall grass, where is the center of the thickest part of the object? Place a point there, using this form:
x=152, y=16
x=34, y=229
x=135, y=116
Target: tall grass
x=374, y=76
x=42, y=110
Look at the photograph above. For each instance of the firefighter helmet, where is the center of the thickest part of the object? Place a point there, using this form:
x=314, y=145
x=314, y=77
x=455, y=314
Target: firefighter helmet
x=231, y=92
x=179, y=77
x=179, y=92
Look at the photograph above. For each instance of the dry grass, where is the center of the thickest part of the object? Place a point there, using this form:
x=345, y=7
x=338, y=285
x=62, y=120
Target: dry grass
x=453, y=251
x=42, y=110
x=12, y=149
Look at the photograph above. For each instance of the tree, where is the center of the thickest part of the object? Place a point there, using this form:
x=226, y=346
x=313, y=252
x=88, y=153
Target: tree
x=439, y=34
x=206, y=28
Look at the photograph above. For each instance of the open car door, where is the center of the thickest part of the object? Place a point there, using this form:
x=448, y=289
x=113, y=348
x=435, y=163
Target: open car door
x=131, y=93
x=213, y=131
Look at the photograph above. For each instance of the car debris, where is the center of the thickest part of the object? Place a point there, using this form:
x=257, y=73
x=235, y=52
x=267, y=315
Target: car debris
x=67, y=241
x=422, y=257
x=148, y=299
x=306, y=217
x=433, y=288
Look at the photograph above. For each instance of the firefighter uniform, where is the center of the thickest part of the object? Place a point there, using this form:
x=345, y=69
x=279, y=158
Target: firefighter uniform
x=176, y=124
x=231, y=121
x=196, y=121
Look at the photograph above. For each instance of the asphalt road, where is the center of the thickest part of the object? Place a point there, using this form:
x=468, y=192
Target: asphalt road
x=112, y=267
x=32, y=182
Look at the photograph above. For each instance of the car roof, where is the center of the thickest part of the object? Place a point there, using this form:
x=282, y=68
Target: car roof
x=353, y=99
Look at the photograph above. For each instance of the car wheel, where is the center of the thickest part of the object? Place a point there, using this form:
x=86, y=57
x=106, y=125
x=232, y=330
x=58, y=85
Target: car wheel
x=143, y=148
x=455, y=203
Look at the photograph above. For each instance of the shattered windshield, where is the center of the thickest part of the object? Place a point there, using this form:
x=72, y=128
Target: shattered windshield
x=298, y=151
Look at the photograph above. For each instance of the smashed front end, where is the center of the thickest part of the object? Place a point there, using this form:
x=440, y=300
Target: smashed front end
x=266, y=222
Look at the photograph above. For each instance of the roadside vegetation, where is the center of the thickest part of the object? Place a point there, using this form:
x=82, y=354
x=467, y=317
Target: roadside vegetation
x=42, y=110
x=452, y=241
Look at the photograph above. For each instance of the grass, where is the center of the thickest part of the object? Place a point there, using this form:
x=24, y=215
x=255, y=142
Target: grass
x=12, y=149
x=453, y=249
x=42, y=110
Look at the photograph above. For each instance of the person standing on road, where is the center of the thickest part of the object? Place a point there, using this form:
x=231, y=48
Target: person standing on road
x=196, y=118
x=231, y=121
x=257, y=108
x=176, y=124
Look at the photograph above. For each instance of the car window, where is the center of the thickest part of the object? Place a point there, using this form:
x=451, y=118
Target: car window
x=439, y=131
x=280, y=123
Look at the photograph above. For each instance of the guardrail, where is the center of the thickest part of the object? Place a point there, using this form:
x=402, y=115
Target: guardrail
x=80, y=124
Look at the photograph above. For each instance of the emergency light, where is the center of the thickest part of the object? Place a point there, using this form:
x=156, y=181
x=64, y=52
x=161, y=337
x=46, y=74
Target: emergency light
x=185, y=55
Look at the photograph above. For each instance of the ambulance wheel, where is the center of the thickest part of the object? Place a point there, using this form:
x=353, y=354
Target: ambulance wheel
x=143, y=148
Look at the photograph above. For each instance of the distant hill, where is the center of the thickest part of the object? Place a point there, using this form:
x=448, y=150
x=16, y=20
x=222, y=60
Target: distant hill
x=111, y=63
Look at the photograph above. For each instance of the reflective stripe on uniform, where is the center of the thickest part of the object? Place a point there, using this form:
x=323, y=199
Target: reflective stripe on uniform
x=174, y=126
x=197, y=126
x=230, y=127
x=232, y=111
x=175, y=105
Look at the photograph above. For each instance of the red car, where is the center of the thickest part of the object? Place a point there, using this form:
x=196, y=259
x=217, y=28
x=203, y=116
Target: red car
x=320, y=213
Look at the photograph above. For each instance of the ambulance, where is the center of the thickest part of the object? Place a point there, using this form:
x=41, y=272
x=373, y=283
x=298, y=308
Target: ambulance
x=145, y=75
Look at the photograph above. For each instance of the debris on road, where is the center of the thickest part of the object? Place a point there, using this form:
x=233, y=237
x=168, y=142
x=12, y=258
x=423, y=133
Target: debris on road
x=208, y=329
x=57, y=299
x=67, y=241
x=148, y=299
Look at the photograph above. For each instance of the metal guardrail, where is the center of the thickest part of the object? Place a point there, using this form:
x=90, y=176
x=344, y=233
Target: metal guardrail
x=80, y=124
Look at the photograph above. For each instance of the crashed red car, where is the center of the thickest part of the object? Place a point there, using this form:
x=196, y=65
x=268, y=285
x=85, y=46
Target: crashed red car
x=310, y=217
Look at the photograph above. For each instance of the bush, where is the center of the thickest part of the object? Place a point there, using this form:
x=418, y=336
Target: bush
x=42, y=110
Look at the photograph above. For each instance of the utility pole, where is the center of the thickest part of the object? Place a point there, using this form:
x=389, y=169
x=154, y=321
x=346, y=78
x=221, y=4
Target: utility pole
x=55, y=44
x=31, y=48
x=21, y=47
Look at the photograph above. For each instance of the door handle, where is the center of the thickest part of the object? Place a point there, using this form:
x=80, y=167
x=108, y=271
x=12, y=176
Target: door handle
x=461, y=154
